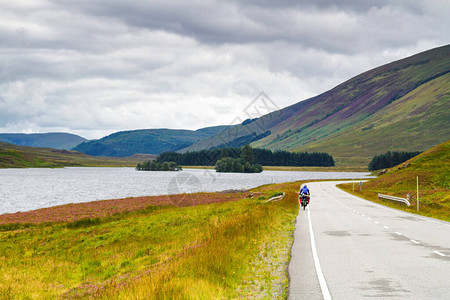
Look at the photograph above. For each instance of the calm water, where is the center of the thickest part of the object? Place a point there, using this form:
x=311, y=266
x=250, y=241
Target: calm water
x=29, y=189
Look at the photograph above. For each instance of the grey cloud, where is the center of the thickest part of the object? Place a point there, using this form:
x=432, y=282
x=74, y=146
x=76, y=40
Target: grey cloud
x=105, y=65
x=327, y=25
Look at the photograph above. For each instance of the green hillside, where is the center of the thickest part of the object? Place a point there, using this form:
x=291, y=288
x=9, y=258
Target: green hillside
x=433, y=169
x=146, y=141
x=239, y=135
x=401, y=106
x=56, y=140
x=414, y=122
x=14, y=156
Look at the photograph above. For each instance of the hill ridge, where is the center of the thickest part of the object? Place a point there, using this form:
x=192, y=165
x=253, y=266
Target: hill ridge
x=145, y=141
x=316, y=123
x=56, y=140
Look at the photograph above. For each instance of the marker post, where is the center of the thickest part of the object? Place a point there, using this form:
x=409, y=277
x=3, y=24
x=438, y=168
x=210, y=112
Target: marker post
x=417, y=193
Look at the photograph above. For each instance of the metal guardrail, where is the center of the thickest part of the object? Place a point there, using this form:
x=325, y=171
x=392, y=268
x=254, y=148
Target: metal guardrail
x=276, y=198
x=406, y=201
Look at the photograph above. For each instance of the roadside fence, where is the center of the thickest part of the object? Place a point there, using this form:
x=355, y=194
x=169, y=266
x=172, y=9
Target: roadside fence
x=387, y=197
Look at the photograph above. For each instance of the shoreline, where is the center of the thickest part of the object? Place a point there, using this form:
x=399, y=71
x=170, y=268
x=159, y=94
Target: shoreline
x=106, y=208
x=73, y=184
x=299, y=169
x=73, y=212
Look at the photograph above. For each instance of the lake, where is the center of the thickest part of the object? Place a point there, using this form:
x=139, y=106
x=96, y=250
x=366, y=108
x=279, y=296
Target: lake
x=29, y=189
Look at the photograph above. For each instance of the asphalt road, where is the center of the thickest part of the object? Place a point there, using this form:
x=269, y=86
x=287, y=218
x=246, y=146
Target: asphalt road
x=359, y=249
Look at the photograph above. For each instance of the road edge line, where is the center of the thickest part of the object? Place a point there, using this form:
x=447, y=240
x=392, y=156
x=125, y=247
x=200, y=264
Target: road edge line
x=323, y=284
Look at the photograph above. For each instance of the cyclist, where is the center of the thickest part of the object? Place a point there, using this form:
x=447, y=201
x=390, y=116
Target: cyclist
x=305, y=191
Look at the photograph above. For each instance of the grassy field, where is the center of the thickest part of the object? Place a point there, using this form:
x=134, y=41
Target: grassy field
x=317, y=169
x=302, y=169
x=13, y=156
x=433, y=169
x=231, y=247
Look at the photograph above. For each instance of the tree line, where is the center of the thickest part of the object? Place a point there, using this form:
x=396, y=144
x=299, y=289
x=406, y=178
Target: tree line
x=152, y=165
x=390, y=159
x=243, y=164
x=263, y=157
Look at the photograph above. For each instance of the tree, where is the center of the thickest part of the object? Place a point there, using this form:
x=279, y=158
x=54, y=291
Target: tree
x=237, y=165
x=390, y=159
x=261, y=156
x=247, y=154
x=223, y=153
x=158, y=166
x=224, y=165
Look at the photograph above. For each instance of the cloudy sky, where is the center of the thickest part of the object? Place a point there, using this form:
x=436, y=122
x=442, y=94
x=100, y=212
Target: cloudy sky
x=93, y=67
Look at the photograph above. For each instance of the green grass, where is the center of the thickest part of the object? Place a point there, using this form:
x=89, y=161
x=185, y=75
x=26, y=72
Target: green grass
x=433, y=169
x=275, y=194
x=316, y=169
x=225, y=250
x=414, y=122
x=302, y=169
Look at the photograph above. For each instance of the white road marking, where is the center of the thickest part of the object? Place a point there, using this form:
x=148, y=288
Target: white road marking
x=398, y=211
x=323, y=284
x=387, y=227
x=439, y=253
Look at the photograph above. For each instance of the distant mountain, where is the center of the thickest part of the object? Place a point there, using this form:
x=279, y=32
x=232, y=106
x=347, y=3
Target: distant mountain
x=56, y=140
x=401, y=106
x=146, y=141
x=15, y=156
